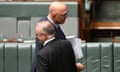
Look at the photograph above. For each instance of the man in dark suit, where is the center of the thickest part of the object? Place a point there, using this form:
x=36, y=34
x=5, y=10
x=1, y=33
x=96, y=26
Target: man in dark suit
x=56, y=55
x=57, y=15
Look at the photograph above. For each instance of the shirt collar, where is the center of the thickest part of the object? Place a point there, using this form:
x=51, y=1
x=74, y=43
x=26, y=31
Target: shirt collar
x=50, y=20
x=56, y=25
x=48, y=41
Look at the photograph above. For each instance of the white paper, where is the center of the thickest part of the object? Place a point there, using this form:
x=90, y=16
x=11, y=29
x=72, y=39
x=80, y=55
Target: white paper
x=76, y=44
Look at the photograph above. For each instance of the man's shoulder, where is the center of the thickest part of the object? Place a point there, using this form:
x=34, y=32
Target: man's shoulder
x=43, y=18
x=58, y=42
x=61, y=41
x=55, y=45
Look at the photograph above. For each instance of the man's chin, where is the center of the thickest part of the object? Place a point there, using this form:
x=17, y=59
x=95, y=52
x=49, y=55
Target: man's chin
x=62, y=23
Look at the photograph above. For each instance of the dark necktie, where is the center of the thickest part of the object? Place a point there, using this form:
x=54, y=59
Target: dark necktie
x=60, y=33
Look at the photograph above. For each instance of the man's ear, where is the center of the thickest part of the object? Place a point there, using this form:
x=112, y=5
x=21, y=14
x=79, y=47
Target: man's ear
x=45, y=35
x=53, y=13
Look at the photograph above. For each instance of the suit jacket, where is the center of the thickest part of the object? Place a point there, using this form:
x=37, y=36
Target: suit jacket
x=56, y=56
x=58, y=35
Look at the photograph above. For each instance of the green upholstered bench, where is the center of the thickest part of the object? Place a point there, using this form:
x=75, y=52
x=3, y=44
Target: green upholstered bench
x=10, y=57
x=16, y=57
x=24, y=57
x=1, y=57
x=98, y=57
x=116, y=57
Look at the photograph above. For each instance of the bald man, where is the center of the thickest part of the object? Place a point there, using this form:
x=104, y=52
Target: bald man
x=58, y=12
x=57, y=15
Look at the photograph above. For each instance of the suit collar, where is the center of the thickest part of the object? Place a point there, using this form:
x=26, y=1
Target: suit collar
x=56, y=25
x=50, y=20
x=52, y=41
x=47, y=41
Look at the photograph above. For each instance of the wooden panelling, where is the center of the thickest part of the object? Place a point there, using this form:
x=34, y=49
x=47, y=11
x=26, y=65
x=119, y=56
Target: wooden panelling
x=81, y=22
x=34, y=0
x=105, y=25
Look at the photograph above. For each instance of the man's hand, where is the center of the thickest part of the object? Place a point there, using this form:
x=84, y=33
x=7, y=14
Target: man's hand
x=80, y=67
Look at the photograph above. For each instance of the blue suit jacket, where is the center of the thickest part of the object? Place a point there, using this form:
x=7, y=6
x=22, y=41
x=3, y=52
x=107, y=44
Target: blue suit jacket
x=58, y=35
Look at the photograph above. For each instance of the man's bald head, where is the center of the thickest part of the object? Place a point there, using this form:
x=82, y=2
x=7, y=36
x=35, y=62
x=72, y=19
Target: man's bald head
x=58, y=7
x=58, y=12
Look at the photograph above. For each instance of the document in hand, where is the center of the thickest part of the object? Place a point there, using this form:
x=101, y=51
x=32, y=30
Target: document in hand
x=76, y=44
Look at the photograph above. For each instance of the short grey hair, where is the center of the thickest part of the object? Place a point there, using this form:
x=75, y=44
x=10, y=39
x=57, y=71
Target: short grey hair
x=49, y=29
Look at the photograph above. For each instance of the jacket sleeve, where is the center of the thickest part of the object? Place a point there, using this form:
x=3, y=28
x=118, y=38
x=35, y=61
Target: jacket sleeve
x=42, y=63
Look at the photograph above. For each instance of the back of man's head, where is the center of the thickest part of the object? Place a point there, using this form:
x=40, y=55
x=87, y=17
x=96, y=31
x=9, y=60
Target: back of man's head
x=44, y=31
x=58, y=12
x=45, y=27
x=57, y=7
